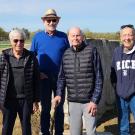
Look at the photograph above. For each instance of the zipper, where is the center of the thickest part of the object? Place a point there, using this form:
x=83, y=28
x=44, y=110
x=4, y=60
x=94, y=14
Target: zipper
x=75, y=76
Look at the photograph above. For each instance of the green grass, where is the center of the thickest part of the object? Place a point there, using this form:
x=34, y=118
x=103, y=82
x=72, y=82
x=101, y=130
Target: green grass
x=2, y=46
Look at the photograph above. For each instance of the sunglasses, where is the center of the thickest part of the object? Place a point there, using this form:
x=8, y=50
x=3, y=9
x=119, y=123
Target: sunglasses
x=51, y=20
x=128, y=26
x=18, y=40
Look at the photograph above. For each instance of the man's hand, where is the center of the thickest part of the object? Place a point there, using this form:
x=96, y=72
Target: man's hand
x=43, y=76
x=35, y=106
x=92, y=109
x=56, y=101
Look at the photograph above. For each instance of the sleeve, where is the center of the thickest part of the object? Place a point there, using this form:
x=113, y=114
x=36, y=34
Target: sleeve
x=113, y=77
x=67, y=42
x=36, y=80
x=2, y=64
x=34, y=45
x=0, y=67
x=61, y=83
x=98, y=77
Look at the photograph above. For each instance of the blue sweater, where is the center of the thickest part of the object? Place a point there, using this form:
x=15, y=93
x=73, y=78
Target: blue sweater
x=123, y=72
x=49, y=50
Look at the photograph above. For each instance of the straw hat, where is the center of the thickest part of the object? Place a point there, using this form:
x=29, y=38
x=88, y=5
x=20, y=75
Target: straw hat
x=50, y=13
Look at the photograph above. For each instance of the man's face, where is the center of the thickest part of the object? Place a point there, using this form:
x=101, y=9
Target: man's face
x=50, y=23
x=127, y=37
x=17, y=42
x=75, y=37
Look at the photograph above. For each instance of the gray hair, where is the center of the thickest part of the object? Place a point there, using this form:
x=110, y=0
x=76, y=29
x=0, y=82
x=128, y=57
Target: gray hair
x=121, y=30
x=18, y=31
x=81, y=32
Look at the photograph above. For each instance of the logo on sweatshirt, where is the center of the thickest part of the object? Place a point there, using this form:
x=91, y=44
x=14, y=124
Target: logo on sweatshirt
x=124, y=65
x=124, y=72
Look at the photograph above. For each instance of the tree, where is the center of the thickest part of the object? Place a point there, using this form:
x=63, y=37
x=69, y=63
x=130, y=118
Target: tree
x=3, y=34
x=27, y=33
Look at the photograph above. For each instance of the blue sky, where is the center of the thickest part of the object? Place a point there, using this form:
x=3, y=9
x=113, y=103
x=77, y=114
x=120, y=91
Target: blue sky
x=95, y=15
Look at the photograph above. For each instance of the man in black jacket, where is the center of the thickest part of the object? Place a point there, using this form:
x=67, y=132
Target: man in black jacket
x=19, y=77
x=81, y=73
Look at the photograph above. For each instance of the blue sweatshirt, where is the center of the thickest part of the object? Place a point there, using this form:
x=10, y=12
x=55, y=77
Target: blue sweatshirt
x=49, y=50
x=123, y=72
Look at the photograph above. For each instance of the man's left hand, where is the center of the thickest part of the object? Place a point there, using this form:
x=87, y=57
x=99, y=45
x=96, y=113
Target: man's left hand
x=92, y=108
x=35, y=106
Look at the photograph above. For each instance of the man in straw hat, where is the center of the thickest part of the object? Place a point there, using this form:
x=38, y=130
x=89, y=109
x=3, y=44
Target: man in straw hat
x=49, y=46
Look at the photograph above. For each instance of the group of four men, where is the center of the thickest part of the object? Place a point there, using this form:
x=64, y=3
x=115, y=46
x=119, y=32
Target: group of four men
x=62, y=62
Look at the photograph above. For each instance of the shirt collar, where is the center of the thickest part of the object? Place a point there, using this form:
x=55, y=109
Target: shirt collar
x=11, y=53
x=131, y=51
x=51, y=34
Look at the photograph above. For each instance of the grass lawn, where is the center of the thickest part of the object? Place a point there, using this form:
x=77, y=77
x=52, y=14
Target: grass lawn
x=2, y=46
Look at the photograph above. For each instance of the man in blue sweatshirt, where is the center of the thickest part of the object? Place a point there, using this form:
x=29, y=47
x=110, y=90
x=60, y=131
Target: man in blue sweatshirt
x=49, y=46
x=123, y=77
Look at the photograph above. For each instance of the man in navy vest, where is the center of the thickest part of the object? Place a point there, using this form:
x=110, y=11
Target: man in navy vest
x=81, y=73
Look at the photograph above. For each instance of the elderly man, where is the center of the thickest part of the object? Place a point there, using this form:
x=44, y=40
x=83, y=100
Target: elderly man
x=81, y=72
x=49, y=46
x=123, y=77
x=19, y=77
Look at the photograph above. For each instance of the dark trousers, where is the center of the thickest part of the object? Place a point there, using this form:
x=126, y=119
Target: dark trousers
x=12, y=107
x=46, y=95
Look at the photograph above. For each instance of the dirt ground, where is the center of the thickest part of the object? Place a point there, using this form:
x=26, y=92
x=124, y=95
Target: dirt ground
x=107, y=126
x=17, y=127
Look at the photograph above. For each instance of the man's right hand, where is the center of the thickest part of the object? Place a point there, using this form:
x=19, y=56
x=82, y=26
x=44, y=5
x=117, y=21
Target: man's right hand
x=43, y=76
x=56, y=101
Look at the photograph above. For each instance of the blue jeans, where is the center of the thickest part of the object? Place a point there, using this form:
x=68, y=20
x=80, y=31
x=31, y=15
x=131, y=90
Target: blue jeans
x=124, y=108
x=47, y=87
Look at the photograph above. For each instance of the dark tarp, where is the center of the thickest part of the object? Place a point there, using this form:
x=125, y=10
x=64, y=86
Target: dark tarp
x=108, y=100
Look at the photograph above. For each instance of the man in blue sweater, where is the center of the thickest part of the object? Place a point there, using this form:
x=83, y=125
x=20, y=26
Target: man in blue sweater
x=123, y=77
x=49, y=46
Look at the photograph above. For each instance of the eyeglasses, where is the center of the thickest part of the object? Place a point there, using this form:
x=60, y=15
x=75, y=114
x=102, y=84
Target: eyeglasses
x=128, y=26
x=18, y=40
x=51, y=20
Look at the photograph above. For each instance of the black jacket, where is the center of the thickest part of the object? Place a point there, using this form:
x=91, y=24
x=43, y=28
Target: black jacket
x=81, y=72
x=31, y=76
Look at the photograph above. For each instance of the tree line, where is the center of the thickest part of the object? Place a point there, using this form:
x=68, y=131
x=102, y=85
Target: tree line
x=103, y=35
x=87, y=33
x=4, y=34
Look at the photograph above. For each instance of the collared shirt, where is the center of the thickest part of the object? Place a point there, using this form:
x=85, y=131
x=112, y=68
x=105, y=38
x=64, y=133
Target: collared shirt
x=16, y=80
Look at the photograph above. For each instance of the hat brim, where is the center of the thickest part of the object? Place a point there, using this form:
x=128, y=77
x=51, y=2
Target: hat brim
x=50, y=16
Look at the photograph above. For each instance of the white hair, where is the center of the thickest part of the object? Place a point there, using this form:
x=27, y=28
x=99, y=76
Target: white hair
x=75, y=27
x=17, y=31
